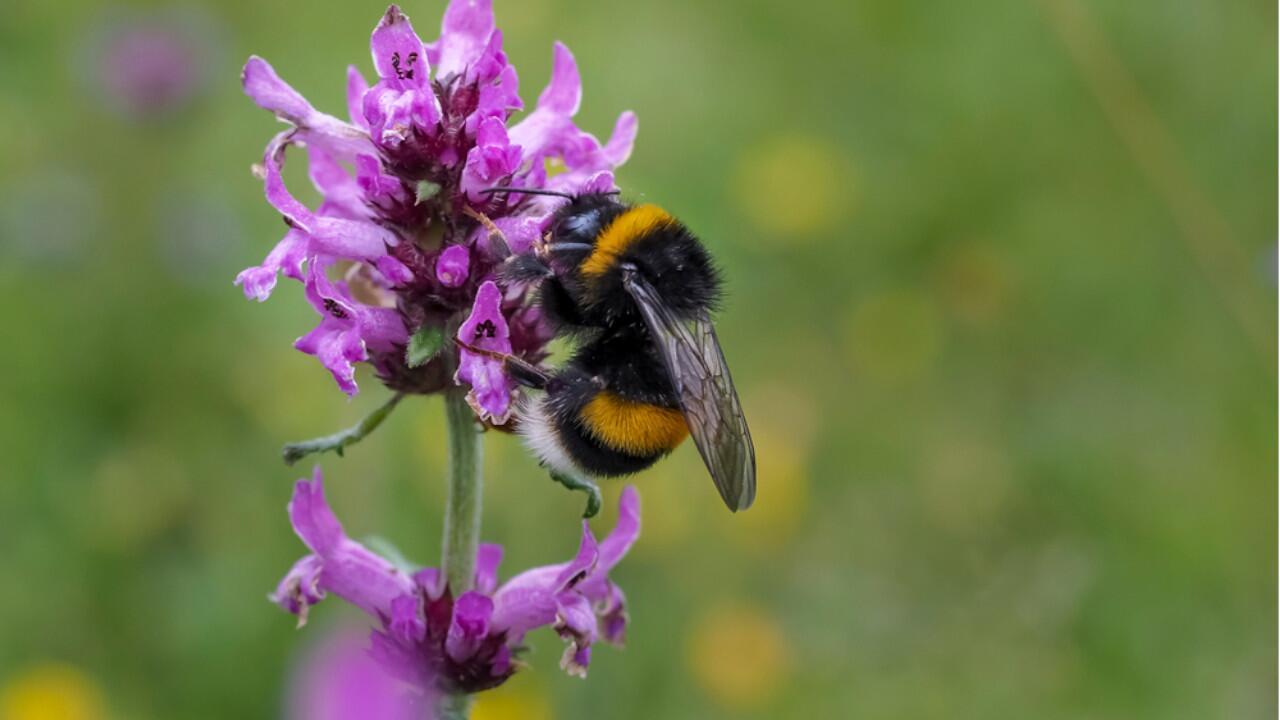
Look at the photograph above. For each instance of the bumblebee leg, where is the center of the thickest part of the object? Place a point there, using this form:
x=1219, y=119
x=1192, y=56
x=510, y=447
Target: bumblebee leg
x=522, y=371
x=496, y=238
x=523, y=268
x=574, y=482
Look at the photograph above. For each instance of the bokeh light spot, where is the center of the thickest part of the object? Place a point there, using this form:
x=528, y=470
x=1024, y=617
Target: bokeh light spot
x=738, y=655
x=793, y=187
x=51, y=692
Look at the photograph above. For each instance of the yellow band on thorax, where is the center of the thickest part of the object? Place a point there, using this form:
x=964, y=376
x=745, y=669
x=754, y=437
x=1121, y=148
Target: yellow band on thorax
x=618, y=236
x=632, y=427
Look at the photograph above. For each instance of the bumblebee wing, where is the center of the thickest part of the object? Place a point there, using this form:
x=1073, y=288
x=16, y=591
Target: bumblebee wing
x=693, y=359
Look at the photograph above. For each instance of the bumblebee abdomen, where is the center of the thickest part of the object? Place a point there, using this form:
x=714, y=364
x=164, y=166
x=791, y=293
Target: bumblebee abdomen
x=602, y=433
x=632, y=427
x=608, y=435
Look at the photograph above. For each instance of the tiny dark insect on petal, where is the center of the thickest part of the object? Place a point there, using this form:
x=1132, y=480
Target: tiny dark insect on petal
x=334, y=309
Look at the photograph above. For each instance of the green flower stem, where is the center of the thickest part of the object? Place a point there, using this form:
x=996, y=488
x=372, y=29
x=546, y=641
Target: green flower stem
x=454, y=707
x=461, y=515
x=293, y=452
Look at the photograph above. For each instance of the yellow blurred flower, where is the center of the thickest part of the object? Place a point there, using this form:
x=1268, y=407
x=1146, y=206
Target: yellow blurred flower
x=793, y=187
x=738, y=655
x=518, y=699
x=51, y=692
x=893, y=337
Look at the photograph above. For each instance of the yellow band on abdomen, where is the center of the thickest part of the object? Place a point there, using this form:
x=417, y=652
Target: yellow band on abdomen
x=632, y=427
x=619, y=235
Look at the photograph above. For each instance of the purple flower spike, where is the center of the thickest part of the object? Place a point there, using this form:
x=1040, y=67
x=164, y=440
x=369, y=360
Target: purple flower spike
x=403, y=213
x=439, y=643
x=486, y=329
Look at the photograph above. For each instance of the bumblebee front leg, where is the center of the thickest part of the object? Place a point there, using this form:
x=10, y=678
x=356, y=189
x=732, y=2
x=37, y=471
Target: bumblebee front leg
x=496, y=238
x=522, y=371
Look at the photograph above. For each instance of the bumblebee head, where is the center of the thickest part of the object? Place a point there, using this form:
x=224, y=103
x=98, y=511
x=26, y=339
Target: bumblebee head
x=595, y=237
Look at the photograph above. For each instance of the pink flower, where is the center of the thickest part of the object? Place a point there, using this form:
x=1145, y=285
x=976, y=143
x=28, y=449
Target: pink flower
x=435, y=641
x=424, y=140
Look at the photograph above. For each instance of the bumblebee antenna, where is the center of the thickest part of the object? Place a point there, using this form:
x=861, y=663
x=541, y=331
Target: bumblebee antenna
x=536, y=191
x=526, y=191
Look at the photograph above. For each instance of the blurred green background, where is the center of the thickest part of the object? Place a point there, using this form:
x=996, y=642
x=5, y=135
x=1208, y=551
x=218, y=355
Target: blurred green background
x=1002, y=310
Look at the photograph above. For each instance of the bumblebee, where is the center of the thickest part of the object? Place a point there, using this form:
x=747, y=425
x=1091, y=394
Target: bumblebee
x=635, y=288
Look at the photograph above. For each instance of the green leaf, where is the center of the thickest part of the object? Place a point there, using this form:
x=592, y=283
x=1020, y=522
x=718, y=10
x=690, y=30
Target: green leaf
x=424, y=345
x=425, y=191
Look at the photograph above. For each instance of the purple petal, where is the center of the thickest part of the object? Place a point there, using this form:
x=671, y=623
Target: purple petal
x=357, y=86
x=431, y=581
x=406, y=618
x=349, y=570
x=613, y=615
x=470, y=625
x=378, y=186
x=338, y=347
x=615, y=546
x=488, y=557
x=618, y=149
x=492, y=159
x=576, y=623
x=530, y=599
x=464, y=35
x=312, y=518
x=402, y=102
x=575, y=659
x=624, y=533
x=341, y=681
x=498, y=98
x=287, y=256
x=332, y=236
x=398, y=55
x=588, y=555
x=486, y=329
x=268, y=91
x=343, y=197
x=300, y=588
x=348, y=329
x=453, y=265
x=563, y=94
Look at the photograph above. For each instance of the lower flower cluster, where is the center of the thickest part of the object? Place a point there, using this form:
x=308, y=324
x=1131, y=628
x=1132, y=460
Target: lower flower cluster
x=438, y=641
